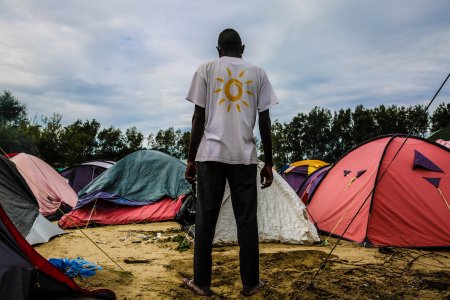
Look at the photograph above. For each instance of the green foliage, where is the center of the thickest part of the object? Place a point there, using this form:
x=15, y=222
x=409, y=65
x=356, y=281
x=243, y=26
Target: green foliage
x=364, y=126
x=133, y=140
x=175, y=143
x=111, y=143
x=49, y=142
x=440, y=117
x=295, y=131
x=417, y=120
x=281, y=154
x=318, y=134
x=341, y=134
x=78, y=141
x=11, y=110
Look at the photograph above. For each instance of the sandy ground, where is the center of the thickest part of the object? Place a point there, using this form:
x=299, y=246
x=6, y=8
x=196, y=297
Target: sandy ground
x=153, y=267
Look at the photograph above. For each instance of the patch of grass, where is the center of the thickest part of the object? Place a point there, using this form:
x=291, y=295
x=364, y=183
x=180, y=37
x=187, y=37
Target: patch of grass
x=183, y=242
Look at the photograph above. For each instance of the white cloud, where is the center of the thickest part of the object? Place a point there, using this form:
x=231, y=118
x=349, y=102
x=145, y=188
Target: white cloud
x=130, y=64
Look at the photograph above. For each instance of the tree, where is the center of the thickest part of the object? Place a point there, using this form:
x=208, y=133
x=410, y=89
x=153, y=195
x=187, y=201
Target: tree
x=49, y=144
x=175, y=143
x=13, y=117
x=387, y=120
x=417, y=120
x=440, y=117
x=364, y=126
x=13, y=139
x=79, y=141
x=11, y=110
x=183, y=144
x=317, y=135
x=111, y=143
x=295, y=131
x=133, y=140
x=281, y=155
x=341, y=134
x=166, y=141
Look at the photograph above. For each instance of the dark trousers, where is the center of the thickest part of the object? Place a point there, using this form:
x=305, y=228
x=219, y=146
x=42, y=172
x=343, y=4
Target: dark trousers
x=212, y=177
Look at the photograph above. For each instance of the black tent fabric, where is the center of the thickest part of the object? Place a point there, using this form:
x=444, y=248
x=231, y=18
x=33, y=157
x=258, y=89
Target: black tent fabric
x=25, y=274
x=16, y=197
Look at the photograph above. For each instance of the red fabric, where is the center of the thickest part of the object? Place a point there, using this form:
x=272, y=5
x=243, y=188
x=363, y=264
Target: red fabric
x=406, y=210
x=108, y=213
x=334, y=204
x=43, y=265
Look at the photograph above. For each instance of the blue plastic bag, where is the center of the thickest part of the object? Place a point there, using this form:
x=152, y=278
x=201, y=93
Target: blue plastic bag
x=75, y=267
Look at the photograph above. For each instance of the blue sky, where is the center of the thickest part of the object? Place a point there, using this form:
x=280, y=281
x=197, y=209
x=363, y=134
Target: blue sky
x=130, y=63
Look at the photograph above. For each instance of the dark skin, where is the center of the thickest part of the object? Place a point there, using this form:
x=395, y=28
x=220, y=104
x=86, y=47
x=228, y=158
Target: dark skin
x=198, y=126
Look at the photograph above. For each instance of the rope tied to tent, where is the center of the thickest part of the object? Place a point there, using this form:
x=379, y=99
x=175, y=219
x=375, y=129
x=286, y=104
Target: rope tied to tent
x=443, y=197
x=325, y=242
x=352, y=179
x=92, y=212
x=324, y=261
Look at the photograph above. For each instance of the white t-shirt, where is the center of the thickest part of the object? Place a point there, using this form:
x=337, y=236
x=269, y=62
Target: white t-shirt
x=232, y=91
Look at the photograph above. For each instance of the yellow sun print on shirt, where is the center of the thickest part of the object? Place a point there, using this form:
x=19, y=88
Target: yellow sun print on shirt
x=234, y=90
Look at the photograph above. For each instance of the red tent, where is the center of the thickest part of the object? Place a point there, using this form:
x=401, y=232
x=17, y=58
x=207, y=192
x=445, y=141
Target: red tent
x=25, y=274
x=403, y=199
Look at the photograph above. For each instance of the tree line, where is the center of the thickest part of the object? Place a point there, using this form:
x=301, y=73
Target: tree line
x=319, y=134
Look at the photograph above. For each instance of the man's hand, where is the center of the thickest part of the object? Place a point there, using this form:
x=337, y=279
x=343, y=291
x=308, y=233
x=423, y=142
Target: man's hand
x=191, y=172
x=266, y=176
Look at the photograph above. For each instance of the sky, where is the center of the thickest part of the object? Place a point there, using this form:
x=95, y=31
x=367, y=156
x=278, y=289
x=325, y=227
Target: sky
x=130, y=63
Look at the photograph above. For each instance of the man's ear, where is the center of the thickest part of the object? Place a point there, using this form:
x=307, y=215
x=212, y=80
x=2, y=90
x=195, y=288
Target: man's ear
x=219, y=51
x=242, y=49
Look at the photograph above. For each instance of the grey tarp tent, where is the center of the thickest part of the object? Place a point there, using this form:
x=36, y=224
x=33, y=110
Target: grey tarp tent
x=22, y=207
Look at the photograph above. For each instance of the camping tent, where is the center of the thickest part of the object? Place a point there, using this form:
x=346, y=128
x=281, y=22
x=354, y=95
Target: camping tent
x=51, y=190
x=25, y=274
x=441, y=134
x=309, y=185
x=395, y=189
x=144, y=186
x=21, y=206
x=297, y=172
x=281, y=216
x=80, y=175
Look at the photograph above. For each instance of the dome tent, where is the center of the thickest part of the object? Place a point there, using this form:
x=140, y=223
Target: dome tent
x=50, y=189
x=81, y=175
x=22, y=207
x=397, y=198
x=281, y=216
x=144, y=186
x=296, y=173
x=25, y=274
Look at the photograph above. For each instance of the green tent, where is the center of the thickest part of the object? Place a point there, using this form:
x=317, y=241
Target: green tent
x=142, y=177
x=443, y=133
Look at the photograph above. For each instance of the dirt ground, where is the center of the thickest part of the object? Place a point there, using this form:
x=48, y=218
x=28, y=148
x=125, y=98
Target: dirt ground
x=156, y=256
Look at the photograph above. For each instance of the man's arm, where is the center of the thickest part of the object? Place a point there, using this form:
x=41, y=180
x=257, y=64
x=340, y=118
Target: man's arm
x=198, y=126
x=266, y=138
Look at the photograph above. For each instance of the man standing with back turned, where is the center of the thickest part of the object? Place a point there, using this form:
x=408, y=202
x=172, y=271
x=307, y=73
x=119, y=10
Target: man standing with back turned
x=228, y=93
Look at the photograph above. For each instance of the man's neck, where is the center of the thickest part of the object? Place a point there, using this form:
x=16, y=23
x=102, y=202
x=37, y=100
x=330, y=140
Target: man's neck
x=232, y=54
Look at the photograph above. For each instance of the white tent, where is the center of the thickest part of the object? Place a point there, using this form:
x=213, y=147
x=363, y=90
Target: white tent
x=282, y=216
x=42, y=231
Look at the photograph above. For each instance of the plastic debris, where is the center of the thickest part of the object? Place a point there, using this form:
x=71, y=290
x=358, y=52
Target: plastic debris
x=75, y=267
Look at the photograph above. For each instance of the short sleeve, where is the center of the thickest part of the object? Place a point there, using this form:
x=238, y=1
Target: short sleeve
x=197, y=91
x=267, y=97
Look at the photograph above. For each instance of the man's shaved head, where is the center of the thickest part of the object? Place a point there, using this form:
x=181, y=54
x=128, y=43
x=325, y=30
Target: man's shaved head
x=229, y=39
